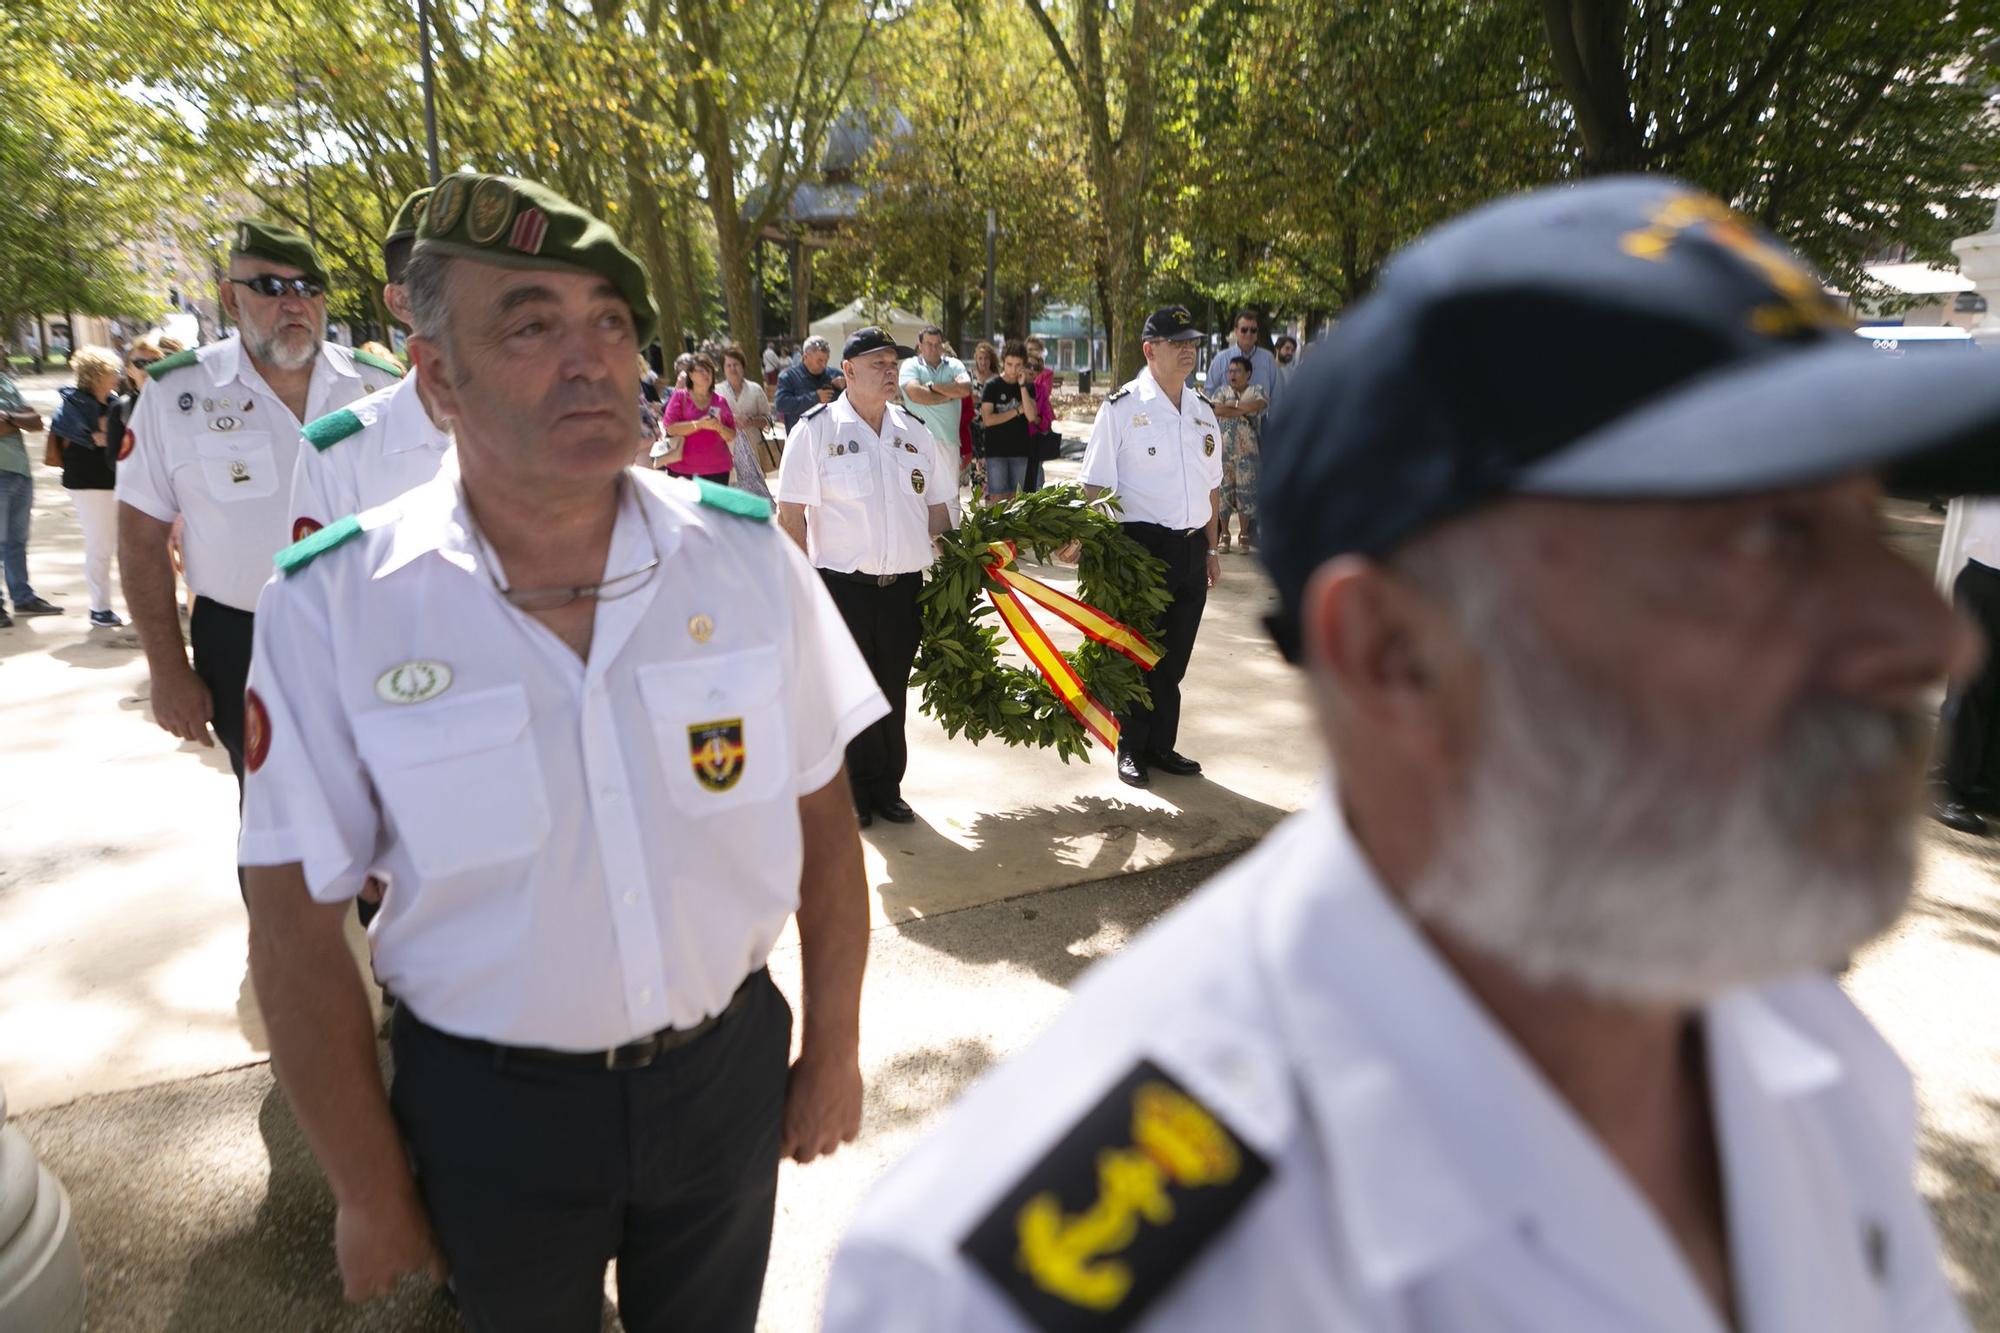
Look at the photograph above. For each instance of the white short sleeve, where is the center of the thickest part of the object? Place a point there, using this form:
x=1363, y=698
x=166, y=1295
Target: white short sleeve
x=307, y=800
x=146, y=475
x=832, y=695
x=1100, y=456
x=798, y=468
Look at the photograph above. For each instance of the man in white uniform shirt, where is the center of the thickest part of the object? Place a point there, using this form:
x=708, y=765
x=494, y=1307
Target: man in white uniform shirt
x=1530, y=1022
x=862, y=489
x=1157, y=445
x=589, y=721
x=215, y=442
x=371, y=451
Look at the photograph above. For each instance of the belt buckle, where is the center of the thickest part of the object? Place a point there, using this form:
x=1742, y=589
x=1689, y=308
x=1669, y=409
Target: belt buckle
x=884, y=580
x=633, y=1054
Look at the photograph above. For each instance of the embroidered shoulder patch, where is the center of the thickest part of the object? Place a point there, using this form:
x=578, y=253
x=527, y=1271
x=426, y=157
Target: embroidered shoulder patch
x=732, y=501
x=379, y=362
x=1104, y=1223
x=166, y=366
x=1116, y=396
x=331, y=429
x=308, y=549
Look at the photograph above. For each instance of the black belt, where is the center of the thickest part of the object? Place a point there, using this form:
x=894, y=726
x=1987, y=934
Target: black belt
x=873, y=580
x=632, y=1055
x=1161, y=527
x=223, y=608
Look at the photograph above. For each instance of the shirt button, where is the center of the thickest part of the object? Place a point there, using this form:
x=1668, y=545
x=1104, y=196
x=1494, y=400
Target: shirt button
x=646, y=995
x=630, y=897
x=609, y=793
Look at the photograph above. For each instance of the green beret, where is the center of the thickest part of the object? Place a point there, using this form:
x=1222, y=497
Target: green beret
x=256, y=239
x=404, y=226
x=503, y=220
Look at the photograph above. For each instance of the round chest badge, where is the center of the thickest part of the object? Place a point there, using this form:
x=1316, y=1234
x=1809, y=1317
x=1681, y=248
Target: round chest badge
x=185, y=402
x=303, y=528
x=256, y=731
x=413, y=682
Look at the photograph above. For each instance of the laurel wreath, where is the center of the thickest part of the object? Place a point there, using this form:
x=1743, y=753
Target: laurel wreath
x=966, y=686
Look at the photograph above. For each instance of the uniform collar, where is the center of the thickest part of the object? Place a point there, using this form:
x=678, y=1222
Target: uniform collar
x=432, y=519
x=1439, y=1130
x=406, y=424
x=844, y=415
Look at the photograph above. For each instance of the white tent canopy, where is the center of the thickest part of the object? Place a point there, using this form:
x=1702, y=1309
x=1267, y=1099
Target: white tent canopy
x=900, y=324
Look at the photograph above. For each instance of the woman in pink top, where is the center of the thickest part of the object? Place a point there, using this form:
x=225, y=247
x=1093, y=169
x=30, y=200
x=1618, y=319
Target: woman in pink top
x=700, y=419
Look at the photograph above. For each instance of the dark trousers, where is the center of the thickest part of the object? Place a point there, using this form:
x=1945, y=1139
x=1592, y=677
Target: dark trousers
x=220, y=636
x=536, y=1176
x=1155, y=730
x=1971, y=707
x=886, y=628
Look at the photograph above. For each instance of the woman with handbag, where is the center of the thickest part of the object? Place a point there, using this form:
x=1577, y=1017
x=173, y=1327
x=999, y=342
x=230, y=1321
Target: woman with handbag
x=1046, y=443
x=751, y=407
x=89, y=429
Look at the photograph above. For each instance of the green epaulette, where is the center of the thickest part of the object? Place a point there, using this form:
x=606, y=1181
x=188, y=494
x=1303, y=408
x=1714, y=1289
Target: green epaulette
x=168, y=365
x=380, y=363
x=1116, y=396
x=732, y=501
x=308, y=549
x=331, y=429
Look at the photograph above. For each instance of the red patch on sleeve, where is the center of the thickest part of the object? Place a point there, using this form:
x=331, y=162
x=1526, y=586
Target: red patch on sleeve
x=305, y=527
x=126, y=446
x=256, y=731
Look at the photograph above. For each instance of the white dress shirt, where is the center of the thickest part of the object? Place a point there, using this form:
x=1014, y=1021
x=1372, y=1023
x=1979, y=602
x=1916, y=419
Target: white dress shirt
x=397, y=447
x=212, y=442
x=1424, y=1177
x=1162, y=462
x=867, y=495
x=561, y=874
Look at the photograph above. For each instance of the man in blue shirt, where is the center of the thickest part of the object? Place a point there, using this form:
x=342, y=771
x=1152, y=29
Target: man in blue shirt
x=1263, y=370
x=17, y=494
x=811, y=382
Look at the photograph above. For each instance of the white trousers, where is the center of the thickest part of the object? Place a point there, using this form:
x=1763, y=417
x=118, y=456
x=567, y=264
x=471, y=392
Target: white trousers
x=97, y=511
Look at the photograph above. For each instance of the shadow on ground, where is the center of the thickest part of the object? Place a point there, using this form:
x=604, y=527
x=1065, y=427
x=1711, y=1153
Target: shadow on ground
x=1965, y=1200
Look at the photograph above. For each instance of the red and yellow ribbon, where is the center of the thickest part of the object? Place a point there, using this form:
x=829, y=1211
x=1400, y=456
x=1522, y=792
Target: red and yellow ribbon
x=1006, y=589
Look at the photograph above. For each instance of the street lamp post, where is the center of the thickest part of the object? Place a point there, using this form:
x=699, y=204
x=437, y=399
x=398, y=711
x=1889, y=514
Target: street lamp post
x=992, y=234
x=430, y=87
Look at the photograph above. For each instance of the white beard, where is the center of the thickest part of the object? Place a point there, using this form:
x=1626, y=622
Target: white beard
x=1593, y=856
x=272, y=350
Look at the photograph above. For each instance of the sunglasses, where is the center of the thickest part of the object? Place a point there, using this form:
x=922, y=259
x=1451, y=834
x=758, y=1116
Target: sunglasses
x=266, y=284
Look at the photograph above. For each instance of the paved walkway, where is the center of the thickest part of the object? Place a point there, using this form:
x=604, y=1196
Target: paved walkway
x=125, y=1017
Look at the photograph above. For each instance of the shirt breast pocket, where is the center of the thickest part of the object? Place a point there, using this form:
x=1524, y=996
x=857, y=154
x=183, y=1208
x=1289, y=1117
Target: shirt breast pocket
x=458, y=778
x=850, y=476
x=237, y=465
x=720, y=727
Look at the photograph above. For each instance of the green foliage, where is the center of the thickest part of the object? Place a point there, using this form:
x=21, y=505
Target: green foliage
x=965, y=685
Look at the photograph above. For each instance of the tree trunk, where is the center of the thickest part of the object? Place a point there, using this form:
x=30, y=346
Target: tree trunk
x=652, y=232
x=953, y=312
x=697, y=292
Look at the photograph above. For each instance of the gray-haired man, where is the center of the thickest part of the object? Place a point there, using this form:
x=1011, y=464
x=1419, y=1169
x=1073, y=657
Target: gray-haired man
x=811, y=382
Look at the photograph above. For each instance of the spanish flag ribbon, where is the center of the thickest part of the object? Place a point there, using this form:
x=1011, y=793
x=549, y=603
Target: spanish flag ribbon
x=1007, y=589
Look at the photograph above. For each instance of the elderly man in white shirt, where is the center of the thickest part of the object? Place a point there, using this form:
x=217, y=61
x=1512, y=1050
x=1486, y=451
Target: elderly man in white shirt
x=1530, y=1022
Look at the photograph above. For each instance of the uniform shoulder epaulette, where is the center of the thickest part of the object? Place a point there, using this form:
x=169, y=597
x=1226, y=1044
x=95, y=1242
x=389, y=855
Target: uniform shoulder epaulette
x=380, y=363
x=308, y=549
x=810, y=413
x=1118, y=1209
x=1204, y=397
x=168, y=365
x=732, y=501
x=1119, y=394
x=331, y=429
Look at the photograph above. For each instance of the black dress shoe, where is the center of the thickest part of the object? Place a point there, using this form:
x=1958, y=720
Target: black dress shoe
x=865, y=816
x=1956, y=814
x=896, y=810
x=37, y=606
x=1174, y=762
x=6, y=621
x=1132, y=771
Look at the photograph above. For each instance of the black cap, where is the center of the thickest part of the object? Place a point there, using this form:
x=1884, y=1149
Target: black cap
x=1628, y=338
x=871, y=339
x=1171, y=324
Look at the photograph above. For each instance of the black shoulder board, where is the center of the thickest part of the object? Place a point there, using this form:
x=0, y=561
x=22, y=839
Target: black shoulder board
x=1125, y=1203
x=314, y=545
x=1116, y=396
x=168, y=365
x=1204, y=397
x=813, y=412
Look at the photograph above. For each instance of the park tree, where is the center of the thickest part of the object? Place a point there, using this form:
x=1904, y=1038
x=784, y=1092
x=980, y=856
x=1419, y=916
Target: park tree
x=974, y=134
